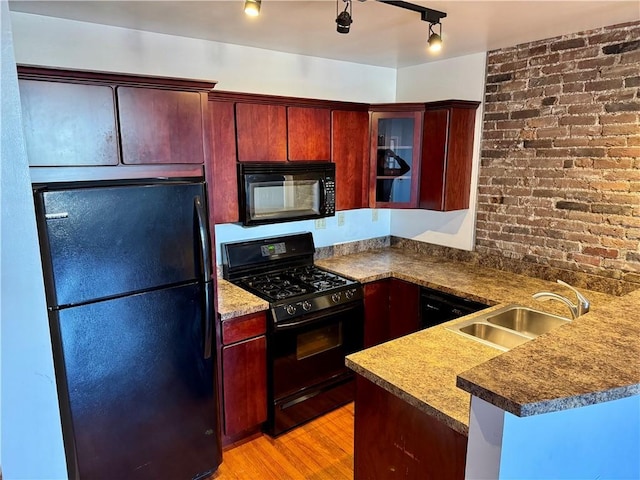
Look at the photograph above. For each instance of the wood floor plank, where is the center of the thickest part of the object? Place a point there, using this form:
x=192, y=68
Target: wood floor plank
x=319, y=450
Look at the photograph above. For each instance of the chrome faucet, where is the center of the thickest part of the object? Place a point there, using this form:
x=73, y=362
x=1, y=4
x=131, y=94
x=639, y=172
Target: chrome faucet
x=578, y=309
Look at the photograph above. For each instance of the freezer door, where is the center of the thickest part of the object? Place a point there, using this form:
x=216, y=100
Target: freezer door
x=107, y=241
x=137, y=396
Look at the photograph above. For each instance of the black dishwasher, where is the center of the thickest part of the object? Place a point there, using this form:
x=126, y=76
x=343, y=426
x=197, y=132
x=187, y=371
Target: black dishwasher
x=438, y=307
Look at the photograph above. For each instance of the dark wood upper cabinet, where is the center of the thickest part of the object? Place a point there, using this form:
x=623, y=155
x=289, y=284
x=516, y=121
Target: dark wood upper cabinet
x=160, y=126
x=350, y=153
x=68, y=124
x=261, y=132
x=435, y=140
x=221, y=168
x=309, y=133
x=80, y=118
x=447, y=154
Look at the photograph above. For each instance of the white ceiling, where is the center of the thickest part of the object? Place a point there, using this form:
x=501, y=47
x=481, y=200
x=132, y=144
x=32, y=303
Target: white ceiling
x=381, y=34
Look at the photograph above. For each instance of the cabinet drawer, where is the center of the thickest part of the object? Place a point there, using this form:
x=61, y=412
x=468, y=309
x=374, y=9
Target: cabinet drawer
x=241, y=328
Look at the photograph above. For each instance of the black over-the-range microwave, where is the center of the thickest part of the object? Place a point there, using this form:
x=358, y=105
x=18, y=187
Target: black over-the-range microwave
x=283, y=192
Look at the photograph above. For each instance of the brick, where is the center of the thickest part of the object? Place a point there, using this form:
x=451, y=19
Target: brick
x=610, y=186
x=582, y=53
x=572, y=99
x=624, y=152
x=567, y=44
x=532, y=51
x=632, y=58
x=497, y=97
x=578, y=130
x=553, y=152
x=580, y=76
x=595, y=63
x=615, y=96
x=513, y=86
x=621, y=48
x=611, y=209
x=553, y=132
x=545, y=59
x=558, y=68
x=585, y=259
x=607, y=142
x=631, y=141
x=619, y=118
x=589, y=152
x=546, y=80
x=501, y=56
x=491, y=88
x=495, y=153
x=549, y=100
x=603, y=85
x=601, y=252
x=513, y=66
x=503, y=77
x=581, y=207
x=632, y=82
x=608, y=37
x=546, y=143
x=623, y=107
x=525, y=114
x=578, y=120
x=496, y=116
x=589, y=108
x=573, y=87
x=618, y=71
x=609, y=163
x=620, y=129
x=509, y=124
x=571, y=142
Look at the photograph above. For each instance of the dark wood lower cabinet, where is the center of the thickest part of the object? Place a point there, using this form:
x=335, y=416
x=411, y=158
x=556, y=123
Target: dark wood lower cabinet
x=391, y=309
x=244, y=376
x=395, y=440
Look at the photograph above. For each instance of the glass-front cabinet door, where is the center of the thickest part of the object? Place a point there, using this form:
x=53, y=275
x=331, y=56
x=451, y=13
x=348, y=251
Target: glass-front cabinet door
x=395, y=158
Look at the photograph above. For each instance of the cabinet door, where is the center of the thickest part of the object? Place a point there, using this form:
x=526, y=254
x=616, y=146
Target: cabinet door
x=376, y=312
x=404, y=308
x=261, y=132
x=244, y=367
x=67, y=124
x=447, y=157
x=350, y=154
x=309, y=133
x=160, y=126
x=395, y=159
x=221, y=168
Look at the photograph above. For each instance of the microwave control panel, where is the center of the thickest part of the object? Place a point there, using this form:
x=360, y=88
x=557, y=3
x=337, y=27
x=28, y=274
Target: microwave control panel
x=330, y=186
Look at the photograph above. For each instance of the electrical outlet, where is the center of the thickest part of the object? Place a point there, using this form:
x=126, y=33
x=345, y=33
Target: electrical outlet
x=340, y=219
x=374, y=214
x=321, y=224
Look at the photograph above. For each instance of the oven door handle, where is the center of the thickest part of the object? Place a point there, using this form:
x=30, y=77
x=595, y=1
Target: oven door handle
x=316, y=317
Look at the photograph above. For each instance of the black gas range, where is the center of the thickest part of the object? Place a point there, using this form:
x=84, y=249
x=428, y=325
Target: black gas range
x=316, y=320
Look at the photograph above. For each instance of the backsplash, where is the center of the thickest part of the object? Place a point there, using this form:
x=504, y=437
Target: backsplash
x=575, y=278
x=559, y=184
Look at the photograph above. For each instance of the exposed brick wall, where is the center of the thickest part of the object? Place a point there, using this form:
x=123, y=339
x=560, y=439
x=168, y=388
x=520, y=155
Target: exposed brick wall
x=560, y=165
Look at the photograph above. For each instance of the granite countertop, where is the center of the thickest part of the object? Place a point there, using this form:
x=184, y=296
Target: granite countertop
x=591, y=360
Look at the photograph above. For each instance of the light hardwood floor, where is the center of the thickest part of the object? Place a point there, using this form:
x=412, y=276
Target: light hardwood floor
x=319, y=450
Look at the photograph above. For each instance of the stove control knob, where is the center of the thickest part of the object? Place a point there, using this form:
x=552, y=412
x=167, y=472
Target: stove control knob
x=336, y=297
x=306, y=305
x=349, y=294
x=290, y=309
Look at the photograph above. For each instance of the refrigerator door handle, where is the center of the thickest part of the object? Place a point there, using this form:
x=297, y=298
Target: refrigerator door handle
x=204, y=239
x=208, y=285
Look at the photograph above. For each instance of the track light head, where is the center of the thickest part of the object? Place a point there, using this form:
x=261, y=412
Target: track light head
x=435, y=39
x=252, y=7
x=344, y=19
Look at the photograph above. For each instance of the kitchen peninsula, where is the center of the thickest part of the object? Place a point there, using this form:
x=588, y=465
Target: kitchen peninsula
x=592, y=360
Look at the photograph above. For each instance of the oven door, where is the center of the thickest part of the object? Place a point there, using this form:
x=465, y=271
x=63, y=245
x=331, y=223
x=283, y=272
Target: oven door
x=307, y=368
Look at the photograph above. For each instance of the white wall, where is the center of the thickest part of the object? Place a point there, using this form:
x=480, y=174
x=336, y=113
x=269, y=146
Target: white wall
x=595, y=441
x=460, y=78
x=31, y=440
x=48, y=41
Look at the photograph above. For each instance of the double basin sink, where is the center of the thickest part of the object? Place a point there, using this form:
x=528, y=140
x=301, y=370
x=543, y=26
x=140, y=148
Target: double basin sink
x=508, y=326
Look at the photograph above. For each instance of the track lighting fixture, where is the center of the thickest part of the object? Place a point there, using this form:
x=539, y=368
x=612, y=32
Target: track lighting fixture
x=344, y=19
x=252, y=7
x=435, y=39
x=426, y=15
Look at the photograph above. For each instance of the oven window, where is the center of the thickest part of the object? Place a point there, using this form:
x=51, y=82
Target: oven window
x=283, y=198
x=318, y=341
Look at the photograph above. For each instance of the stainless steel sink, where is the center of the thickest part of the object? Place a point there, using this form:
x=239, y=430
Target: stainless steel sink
x=508, y=326
x=525, y=320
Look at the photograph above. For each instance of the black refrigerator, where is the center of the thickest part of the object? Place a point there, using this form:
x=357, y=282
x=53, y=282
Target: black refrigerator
x=130, y=297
